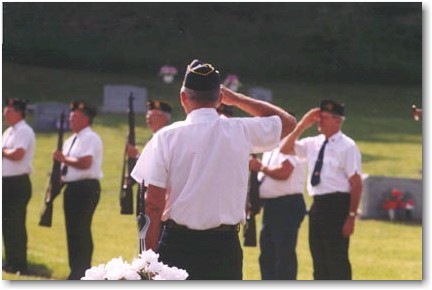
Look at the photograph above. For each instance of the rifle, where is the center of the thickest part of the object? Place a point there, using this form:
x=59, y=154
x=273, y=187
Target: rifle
x=54, y=183
x=142, y=219
x=252, y=208
x=127, y=182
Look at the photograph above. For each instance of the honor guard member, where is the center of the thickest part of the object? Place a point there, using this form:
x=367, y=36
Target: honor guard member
x=282, y=182
x=18, y=144
x=158, y=116
x=334, y=182
x=196, y=172
x=81, y=159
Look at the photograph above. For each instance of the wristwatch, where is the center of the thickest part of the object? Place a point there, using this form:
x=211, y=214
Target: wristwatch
x=352, y=213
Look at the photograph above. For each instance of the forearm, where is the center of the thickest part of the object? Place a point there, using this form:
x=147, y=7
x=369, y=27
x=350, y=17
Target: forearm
x=15, y=154
x=258, y=108
x=288, y=143
x=281, y=172
x=154, y=206
x=355, y=192
x=79, y=163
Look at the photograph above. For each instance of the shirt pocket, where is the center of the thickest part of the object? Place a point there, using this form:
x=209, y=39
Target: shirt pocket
x=331, y=162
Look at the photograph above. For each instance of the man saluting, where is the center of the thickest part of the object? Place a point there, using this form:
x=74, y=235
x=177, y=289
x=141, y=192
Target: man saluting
x=334, y=182
x=196, y=172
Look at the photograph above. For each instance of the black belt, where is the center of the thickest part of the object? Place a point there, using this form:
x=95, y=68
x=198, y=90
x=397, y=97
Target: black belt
x=12, y=177
x=330, y=195
x=287, y=196
x=82, y=181
x=170, y=224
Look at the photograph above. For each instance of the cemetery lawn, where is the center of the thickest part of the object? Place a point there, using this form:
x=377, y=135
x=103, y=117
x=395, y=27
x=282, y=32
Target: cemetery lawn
x=378, y=119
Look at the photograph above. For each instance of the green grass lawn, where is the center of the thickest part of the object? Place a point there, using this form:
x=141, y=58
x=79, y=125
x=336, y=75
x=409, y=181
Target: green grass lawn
x=378, y=118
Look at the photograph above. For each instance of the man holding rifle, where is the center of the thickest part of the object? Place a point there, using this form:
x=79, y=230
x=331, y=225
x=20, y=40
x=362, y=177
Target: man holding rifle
x=18, y=144
x=158, y=116
x=81, y=159
x=196, y=173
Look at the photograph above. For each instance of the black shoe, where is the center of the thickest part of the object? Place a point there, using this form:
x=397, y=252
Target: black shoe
x=16, y=270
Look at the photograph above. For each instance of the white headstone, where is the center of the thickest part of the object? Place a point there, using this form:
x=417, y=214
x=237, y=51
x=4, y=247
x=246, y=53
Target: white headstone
x=116, y=99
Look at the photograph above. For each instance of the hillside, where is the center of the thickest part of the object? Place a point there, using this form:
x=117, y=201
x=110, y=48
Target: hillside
x=344, y=42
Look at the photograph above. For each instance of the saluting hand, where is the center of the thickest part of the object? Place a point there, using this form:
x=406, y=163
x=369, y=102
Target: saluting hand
x=228, y=96
x=310, y=118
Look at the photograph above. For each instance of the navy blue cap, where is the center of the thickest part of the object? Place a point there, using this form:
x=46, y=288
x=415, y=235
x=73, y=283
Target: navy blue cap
x=17, y=104
x=201, y=76
x=88, y=110
x=158, y=105
x=332, y=107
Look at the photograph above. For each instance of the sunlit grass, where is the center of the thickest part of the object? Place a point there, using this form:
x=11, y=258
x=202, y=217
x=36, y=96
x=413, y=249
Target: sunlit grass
x=378, y=119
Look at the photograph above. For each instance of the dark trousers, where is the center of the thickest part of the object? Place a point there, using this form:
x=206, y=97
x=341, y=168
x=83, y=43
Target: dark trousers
x=278, y=238
x=17, y=191
x=80, y=201
x=328, y=247
x=205, y=255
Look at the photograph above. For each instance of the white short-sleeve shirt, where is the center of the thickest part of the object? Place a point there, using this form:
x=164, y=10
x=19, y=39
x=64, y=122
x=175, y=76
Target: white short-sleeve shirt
x=21, y=135
x=87, y=143
x=342, y=159
x=294, y=184
x=202, y=162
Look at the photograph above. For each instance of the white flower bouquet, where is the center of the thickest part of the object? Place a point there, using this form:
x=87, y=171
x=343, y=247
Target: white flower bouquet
x=146, y=267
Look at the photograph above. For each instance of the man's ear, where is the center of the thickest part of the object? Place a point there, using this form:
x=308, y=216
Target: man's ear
x=184, y=101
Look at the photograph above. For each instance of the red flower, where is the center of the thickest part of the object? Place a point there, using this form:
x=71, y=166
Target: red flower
x=397, y=199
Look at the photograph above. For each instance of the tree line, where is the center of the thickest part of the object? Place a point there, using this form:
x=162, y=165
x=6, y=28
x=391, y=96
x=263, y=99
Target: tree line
x=345, y=42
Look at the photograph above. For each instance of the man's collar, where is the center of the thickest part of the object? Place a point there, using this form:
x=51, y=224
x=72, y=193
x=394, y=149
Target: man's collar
x=202, y=114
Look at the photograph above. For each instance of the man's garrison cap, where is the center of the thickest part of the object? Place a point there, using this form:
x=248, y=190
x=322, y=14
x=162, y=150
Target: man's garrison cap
x=201, y=76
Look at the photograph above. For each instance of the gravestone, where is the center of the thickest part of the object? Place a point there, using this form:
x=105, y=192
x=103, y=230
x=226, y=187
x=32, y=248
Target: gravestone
x=47, y=116
x=116, y=99
x=376, y=189
x=260, y=93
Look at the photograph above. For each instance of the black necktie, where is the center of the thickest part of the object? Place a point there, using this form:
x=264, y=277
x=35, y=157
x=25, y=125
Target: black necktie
x=65, y=167
x=316, y=174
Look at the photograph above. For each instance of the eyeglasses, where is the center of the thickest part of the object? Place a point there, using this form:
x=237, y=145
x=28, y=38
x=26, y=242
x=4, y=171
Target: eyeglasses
x=207, y=65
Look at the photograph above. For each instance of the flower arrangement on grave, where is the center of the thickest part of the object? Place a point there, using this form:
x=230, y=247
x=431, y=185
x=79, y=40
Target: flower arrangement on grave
x=396, y=199
x=168, y=72
x=145, y=267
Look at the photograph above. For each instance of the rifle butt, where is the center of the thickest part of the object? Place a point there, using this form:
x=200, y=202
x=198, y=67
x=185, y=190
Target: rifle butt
x=46, y=215
x=249, y=232
x=126, y=200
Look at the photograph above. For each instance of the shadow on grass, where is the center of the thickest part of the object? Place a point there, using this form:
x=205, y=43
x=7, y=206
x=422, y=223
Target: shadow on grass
x=372, y=158
x=412, y=223
x=37, y=271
